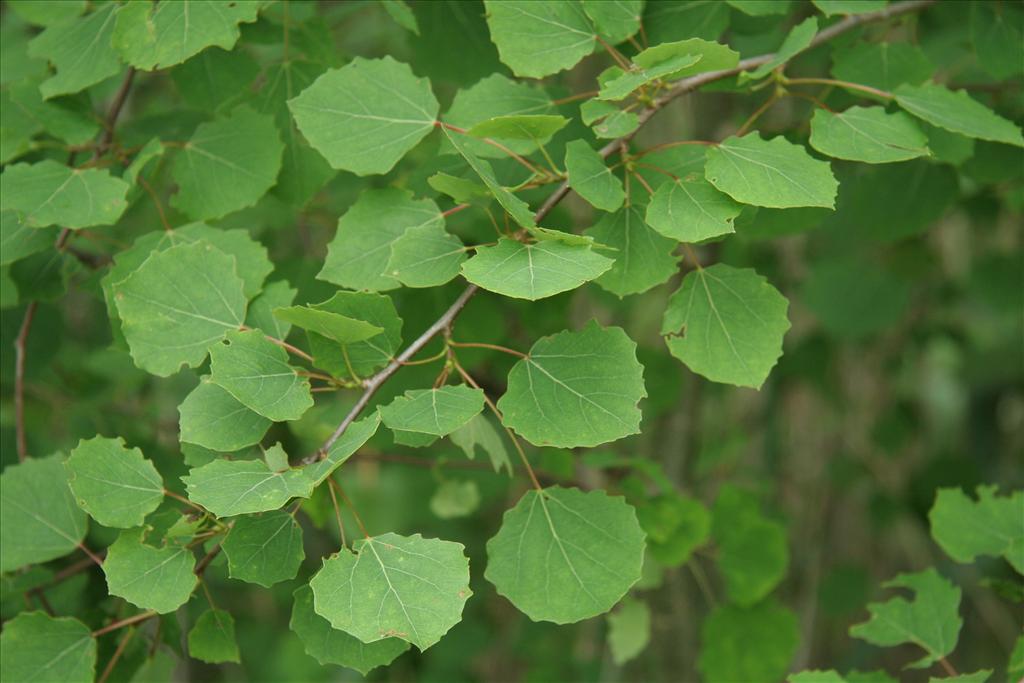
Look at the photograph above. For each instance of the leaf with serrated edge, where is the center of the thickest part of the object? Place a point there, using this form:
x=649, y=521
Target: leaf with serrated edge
x=426, y=256
x=537, y=127
x=80, y=50
x=433, y=411
x=335, y=326
x=533, y=271
x=957, y=111
x=519, y=26
x=236, y=487
x=406, y=587
x=329, y=645
x=357, y=434
x=116, y=485
x=213, y=418
x=513, y=205
x=991, y=525
x=562, y=555
x=160, y=579
x=39, y=520
x=726, y=324
x=576, y=389
x=365, y=116
x=212, y=638
x=868, y=134
x=798, y=40
x=691, y=210
x=591, y=178
x=264, y=549
x=38, y=647
x=643, y=258
x=48, y=193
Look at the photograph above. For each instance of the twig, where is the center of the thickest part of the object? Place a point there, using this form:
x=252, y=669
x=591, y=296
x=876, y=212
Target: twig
x=19, y=379
x=142, y=616
x=348, y=503
x=492, y=347
x=205, y=562
x=116, y=656
x=116, y=105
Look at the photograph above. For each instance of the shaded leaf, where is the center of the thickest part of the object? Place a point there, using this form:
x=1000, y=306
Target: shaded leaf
x=212, y=638
x=264, y=549
x=49, y=193
x=213, y=418
x=37, y=647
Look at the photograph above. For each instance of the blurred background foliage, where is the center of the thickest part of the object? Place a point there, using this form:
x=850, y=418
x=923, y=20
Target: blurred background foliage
x=903, y=371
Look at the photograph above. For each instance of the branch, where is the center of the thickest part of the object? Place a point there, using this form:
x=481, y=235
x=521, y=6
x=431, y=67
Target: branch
x=680, y=88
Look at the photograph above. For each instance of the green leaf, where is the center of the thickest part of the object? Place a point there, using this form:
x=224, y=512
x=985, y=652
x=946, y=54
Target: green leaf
x=216, y=79
x=160, y=579
x=1016, y=666
x=867, y=134
x=479, y=432
x=992, y=525
x=623, y=85
x=519, y=26
x=213, y=418
x=358, y=255
x=643, y=258
x=813, y=676
x=212, y=638
x=976, y=677
x=665, y=21
x=772, y=173
x=882, y=65
x=256, y=372
x=497, y=96
x=80, y=50
x=37, y=647
x=691, y=210
x=591, y=178
x=615, y=20
x=39, y=520
x=569, y=558
x=461, y=190
x=676, y=525
x=49, y=193
x=236, y=487
x=797, y=40
x=753, y=554
x=426, y=256
x=408, y=587
x=516, y=207
x=629, y=630
x=264, y=549
x=454, y=499
x=18, y=240
x=726, y=324
x=433, y=411
x=334, y=114
x=275, y=296
x=996, y=33
x=931, y=621
x=958, y=112
x=155, y=37
x=404, y=17
x=752, y=644
x=537, y=127
x=329, y=645
x=334, y=326
x=116, y=485
x=713, y=56
x=357, y=434
x=48, y=12
x=832, y=7
x=363, y=356
x=227, y=165
x=533, y=271
x=576, y=389
x=177, y=304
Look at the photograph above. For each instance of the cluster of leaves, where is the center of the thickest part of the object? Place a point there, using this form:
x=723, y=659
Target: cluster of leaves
x=199, y=301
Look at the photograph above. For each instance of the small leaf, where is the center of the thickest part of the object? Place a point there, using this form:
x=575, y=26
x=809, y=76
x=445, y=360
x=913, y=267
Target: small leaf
x=479, y=432
x=329, y=645
x=426, y=256
x=576, y=389
x=155, y=37
x=726, y=324
x=931, y=621
x=753, y=555
x=760, y=8
x=48, y=193
x=533, y=271
x=519, y=26
x=264, y=549
x=213, y=418
x=621, y=86
x=357, y=434
x=80, y=50
x=454, y=499
x=992, y=525
x=752, y=644
x=358, y=255
x=334, y=326
x=18, y=240
x=977, y=677
x=433, y=411
x=497, y=96
x=227, y=165
x=516, y=207
x=37, y=647
x=958, y=112
x=275, y=295
x=236, y=487
x=177, y=304
x=537, y=127
x=713, y=56
x=867, y=134
x=676, y=525
x=629, y=630
x=643, y=258
x=591, y=178
x=691, y=210
x=615, y=20
x=773, y=173
x=333, y=114
x=117, y=486
x=407, y=587
x=798, y=40
x=882, y=65
x=212, y=638
x=829, y=676
x=562, y=555
x=362, y=357
x=160, y=579
x=833, y=7
x=39, y=520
